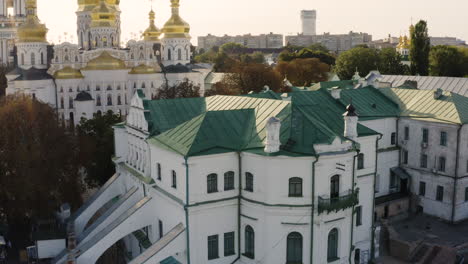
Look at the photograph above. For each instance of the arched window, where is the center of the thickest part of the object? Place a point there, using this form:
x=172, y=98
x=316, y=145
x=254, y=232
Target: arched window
x=62, y=104
x=249, y=181
x=119, y=100
x=335, y=188
x=118, y=87
x=70, y=102
x=229, y=181
x=294, y=248
x=98, y=100
x=109, y=88
x=143, y=85
x=174, y=180
x=295, y=187
x=360, y=161
x=42, y=58
x=76, y=58
x=212, y=183
x=70, y=90
x=142, y=56
x=249, y=242
x=22, y=59
x=66, y=58
x=179, y=54
x=131, y=56
x=332, y=252
x=98, y=88
x=169, y=55
x=33, y=58
x=87, y=88
x=187, y=54
x=109, y=99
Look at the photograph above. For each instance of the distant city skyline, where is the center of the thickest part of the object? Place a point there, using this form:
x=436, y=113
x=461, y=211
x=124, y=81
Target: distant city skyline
x=263, y=16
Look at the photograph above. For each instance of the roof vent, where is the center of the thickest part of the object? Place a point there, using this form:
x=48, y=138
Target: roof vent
x=273, y=126
x=335, y=92
x=438, y=94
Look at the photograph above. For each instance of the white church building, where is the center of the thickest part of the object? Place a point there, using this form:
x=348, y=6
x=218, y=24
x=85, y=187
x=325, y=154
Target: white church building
x=232, y=179
x=97, y=74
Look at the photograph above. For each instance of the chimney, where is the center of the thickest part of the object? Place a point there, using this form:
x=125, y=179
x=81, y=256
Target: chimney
x=335, y=92
x=272, y=144
x=350, y=122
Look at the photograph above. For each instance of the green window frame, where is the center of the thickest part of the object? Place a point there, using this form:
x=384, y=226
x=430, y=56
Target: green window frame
x=294, y=248
x=440, y=193
x=229, y=242
x=295, y=187
x=229, y=181
x=249, y=242
x=425, y=135
x=213, y=247
x=249, y=182
x=423, y=161
x=360, y=162
x=443, y=138
x=442, y=161
x=422, y=188
x=358, y=215
x=212, y=183
x=332, y=250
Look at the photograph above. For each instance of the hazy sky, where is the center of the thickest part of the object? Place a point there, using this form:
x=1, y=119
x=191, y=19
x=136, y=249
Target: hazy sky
x=219, y=17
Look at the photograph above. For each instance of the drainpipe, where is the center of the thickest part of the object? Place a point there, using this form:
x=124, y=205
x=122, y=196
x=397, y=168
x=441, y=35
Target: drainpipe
x=373, y=200
x=351, y=246
x=457, y=164
x=239, y=209
x=313, y=209
x=186, y=207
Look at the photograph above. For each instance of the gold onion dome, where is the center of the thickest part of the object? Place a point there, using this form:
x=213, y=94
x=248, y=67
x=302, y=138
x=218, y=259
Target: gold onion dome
x=103, y=15
x=152, y=33
x=68, y=73
x=32, y=30
x=105, y=62
x=176, y=27
x=404, y=43
x=143, y=69
x=89, y=5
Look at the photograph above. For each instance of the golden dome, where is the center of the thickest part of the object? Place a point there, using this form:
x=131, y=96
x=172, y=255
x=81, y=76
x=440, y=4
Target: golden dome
x=68, y=73
x=103, y=15
x=32, y=30
x=405, y=43
x=143, y=69
x=176, y=27
x=105, y=62
x=89, y=5
x=152, y=33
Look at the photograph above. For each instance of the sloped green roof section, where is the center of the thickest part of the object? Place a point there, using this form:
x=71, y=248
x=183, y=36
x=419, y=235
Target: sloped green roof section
x=346, y=84
x=448, y=108
x=266, y=95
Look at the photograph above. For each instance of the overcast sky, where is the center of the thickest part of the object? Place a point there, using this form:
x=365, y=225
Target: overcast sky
x=219, y=17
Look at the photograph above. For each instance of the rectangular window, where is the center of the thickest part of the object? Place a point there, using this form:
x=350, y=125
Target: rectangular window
x=358, y=215
x=212, y=183
x=466, y=194
x=442, y=164
x=393, y=180
x=229, y=181
x=423, y=161
x=425, y=135
x=422, y=188
x=440, y=193
x=407, y=133
x=213, y=247
x=405, y=157
x=229, y=244
x=174, y=180
x=360, y=162
x=249, y=181
x=393, y=139
x=443, y=138
x=159, y=171
x=160, y=225
x=467, y=166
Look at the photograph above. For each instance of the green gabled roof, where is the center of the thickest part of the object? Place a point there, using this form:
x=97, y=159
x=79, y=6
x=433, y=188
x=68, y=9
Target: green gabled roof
x=266, y=95
x=370, y=103
x=169, y=260
x=449, y=108
x=346, y=84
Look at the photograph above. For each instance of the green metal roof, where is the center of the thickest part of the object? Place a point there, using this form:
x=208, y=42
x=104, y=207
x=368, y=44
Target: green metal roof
x=346, y=84
x=169, y=260
x=449, y=108
x=266, y=95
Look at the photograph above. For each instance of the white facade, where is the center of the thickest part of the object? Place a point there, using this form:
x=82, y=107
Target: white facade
x=309, y=22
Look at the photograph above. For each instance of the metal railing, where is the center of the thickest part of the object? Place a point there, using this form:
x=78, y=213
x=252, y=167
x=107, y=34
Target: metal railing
x=342, y=201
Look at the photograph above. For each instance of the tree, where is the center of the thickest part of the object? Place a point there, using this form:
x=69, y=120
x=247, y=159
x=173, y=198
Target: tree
x=185, y=89
x=307, y=54
x=224, y=63
x=39, y=168
x=256, y=57
x=232, y=48
x=419, y=49
x=96, y=138
x=304, y=71
x=447, y=61
x=319, y=47
x=390, y=62
x=3, y=80
x=361, y=59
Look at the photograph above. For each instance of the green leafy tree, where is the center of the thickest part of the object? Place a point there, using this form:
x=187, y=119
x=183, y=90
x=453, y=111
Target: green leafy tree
x=224, y=63
x=307, y=54
x=390, y=62
x=185, y=89
x=419, y=49
x=39, y=164
x=304, y=72
x=3, y=80
x=447, y=61
x=232, y=48
x=256, y=57
x=96, y=137
x=318, y=47
x=361, y=59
